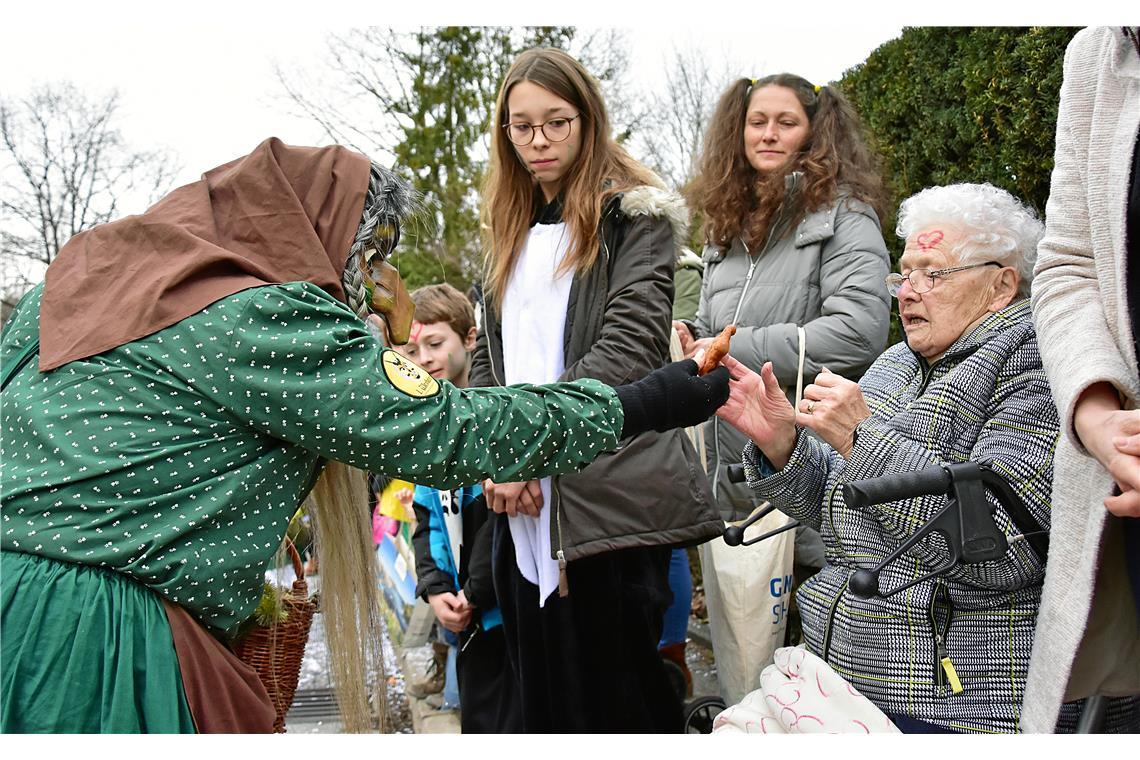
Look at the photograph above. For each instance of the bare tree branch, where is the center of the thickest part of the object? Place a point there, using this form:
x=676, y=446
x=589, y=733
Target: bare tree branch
x=66, y=168
x=675, y=120
x=425, y=97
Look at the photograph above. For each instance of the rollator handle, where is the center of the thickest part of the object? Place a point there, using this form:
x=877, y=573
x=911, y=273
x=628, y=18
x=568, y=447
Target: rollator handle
x=966, y=521
x=734, y=534
x=897, y=486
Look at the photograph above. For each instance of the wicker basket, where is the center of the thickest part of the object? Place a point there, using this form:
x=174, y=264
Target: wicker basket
x=275, y=651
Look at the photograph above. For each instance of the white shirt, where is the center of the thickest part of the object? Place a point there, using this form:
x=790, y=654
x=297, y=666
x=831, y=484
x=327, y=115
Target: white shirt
x=533, y=321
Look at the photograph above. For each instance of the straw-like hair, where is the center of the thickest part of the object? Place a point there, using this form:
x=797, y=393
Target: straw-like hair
x=349, y=593
x=339, y=503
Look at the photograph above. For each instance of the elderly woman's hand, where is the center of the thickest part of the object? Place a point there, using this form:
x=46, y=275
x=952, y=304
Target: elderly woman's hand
x=758, y=408
x=833, y=407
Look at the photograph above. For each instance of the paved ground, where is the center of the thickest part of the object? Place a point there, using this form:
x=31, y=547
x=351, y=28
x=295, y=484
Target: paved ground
x=314, y=708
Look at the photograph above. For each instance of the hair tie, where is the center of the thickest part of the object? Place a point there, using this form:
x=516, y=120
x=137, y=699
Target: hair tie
x=817, y=88
x=753, y=82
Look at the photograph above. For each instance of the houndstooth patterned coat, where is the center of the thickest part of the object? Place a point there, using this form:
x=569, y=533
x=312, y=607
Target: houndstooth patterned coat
x=987, y=400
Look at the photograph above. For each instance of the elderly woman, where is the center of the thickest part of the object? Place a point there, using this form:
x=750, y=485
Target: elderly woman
x=949, y=654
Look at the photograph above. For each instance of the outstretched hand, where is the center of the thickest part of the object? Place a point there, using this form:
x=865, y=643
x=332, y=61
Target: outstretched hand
x=672, y=396
x=758, y=408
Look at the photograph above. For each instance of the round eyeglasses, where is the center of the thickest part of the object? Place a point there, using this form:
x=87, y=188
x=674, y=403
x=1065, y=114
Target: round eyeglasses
x=555, y=130
x=924, y=280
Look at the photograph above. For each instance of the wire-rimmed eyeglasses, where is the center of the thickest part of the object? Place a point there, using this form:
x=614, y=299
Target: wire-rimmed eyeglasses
x=924, y=280
x=555, y=130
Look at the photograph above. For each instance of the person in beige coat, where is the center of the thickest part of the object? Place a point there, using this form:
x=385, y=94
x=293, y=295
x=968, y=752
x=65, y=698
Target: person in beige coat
x=1087, y=640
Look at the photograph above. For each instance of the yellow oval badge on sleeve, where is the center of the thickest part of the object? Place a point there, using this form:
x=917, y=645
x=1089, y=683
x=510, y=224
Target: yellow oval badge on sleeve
x=407, y=377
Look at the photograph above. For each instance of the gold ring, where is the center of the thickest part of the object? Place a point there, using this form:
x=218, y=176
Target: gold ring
x=811, y=407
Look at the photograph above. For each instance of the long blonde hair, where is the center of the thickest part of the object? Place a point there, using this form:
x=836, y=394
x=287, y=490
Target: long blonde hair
x=511, y=196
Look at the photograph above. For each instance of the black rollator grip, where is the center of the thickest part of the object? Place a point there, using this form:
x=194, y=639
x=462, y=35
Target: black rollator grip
x=966, y=521
x=925, y=482
x=932, y=480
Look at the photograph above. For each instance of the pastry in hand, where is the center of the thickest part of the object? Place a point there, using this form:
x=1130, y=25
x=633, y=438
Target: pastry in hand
x=717, y=350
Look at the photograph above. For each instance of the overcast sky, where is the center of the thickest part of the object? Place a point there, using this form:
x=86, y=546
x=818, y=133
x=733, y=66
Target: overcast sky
x=199, y=81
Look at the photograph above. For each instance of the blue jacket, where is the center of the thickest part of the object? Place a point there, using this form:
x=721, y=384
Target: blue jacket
x=437, y=571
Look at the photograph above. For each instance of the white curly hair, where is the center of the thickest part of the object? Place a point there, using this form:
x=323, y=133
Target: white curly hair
x=996, y=226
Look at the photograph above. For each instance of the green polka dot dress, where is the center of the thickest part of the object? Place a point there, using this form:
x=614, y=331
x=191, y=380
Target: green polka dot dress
x=177, y=459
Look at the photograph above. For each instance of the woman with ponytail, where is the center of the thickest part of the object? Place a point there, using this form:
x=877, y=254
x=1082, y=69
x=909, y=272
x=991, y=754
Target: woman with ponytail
x=791, y=202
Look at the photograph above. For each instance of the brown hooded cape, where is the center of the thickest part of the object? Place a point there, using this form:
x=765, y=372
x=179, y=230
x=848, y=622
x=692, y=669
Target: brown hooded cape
x=280, y=214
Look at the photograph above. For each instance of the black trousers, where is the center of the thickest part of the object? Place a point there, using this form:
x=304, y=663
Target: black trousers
x=488, y=696
x=588, y=662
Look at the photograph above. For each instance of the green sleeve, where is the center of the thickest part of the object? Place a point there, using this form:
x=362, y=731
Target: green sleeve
x=687, y=293
x=303, y=369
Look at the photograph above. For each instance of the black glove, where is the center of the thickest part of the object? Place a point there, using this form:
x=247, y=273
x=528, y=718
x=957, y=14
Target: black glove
x=671, y=397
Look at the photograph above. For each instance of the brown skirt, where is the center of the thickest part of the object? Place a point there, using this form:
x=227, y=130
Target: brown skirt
x=225, y=695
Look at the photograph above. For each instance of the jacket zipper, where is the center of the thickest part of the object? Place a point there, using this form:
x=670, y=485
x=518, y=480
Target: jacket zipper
x=563, y=578
x=491, y=353
x=831, y=619
x=929, y=373
x=926, y=376
x=735, y=316
x=474, y=632
x=943, y=667
x=754, y=260
x=560, y=554
x=829, y=501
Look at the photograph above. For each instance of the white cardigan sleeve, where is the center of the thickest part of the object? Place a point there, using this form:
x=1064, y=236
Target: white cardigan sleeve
x=1076, y=289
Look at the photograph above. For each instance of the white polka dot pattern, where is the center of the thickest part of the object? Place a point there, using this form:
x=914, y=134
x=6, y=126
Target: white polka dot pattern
x=178, y=458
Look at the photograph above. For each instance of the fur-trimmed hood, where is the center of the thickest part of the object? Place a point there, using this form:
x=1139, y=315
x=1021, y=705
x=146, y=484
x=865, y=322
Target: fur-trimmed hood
x=646, y=200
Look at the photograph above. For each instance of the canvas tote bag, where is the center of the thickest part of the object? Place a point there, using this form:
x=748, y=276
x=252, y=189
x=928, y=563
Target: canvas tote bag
x=747, y=592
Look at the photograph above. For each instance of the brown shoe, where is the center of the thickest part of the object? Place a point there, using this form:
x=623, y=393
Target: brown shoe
x=431, y=680
x=435, y=702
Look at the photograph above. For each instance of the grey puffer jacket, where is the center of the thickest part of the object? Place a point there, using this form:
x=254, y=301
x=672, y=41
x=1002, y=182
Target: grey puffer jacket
x=652, y=491
x=826, y=275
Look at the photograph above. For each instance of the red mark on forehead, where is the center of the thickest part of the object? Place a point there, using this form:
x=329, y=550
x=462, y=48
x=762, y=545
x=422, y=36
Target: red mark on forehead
x=927, y=240
x=417, y=328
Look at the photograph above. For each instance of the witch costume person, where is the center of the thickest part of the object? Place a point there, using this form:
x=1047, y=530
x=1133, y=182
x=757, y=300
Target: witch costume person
x=175, y=389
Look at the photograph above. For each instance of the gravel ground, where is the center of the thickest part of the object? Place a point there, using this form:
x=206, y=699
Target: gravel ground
x=315, y=678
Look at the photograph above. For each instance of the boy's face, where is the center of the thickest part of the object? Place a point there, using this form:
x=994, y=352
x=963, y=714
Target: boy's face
x=441, y=351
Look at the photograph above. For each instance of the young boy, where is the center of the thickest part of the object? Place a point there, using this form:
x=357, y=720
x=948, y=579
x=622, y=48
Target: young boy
x=452, y=541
